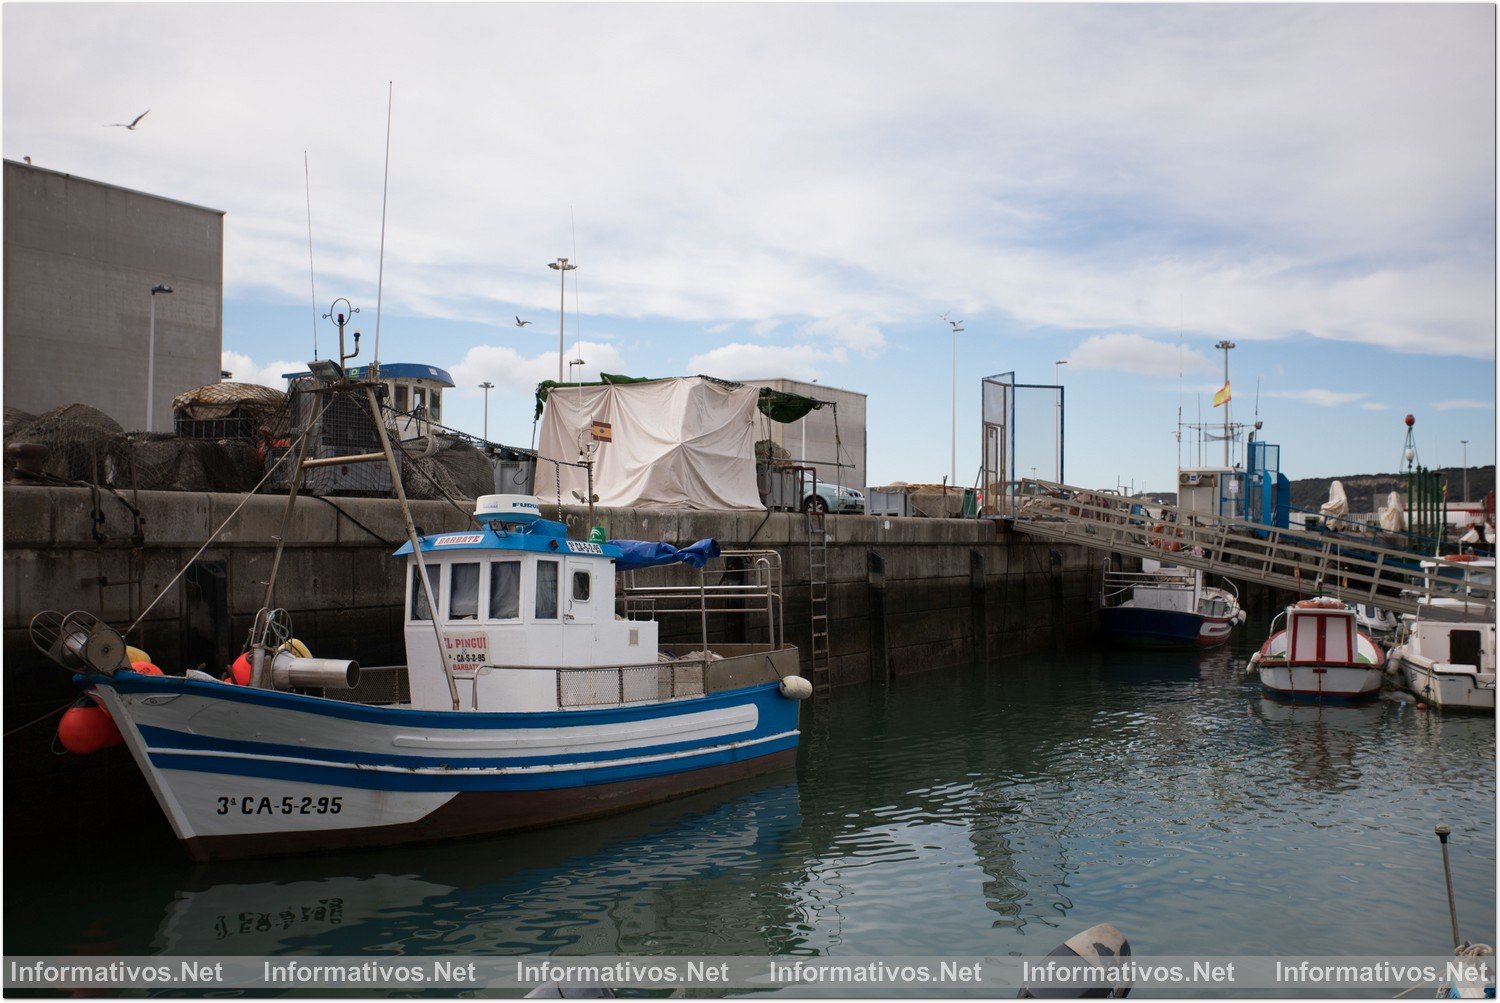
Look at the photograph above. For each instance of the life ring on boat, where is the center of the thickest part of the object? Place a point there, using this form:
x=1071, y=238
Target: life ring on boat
x=1321, y=602
x=1166, y=538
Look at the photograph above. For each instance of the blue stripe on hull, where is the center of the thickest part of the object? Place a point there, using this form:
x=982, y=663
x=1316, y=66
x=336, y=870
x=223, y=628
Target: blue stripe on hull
x=776, y=714
x=457, y=780
x=404, y=717
x=1154, y=628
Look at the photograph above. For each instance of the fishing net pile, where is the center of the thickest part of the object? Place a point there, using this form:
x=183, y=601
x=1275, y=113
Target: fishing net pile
x=79, y=444
x=228, y=435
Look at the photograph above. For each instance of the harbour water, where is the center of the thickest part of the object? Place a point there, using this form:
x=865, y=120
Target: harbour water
x=984, y=811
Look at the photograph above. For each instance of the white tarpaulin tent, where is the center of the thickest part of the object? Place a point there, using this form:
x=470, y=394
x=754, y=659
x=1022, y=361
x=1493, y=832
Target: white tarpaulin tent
x=684, y=442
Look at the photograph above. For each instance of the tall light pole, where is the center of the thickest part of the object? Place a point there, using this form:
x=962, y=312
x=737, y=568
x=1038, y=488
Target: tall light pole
x=957, y=326
x=151, y=360
x=1225, y=346
x=1465, y=444
x=486, y=386
x=563, y=268
x=1057, y=378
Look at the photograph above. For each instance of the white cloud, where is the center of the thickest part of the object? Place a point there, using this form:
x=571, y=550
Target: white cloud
x=756, y=362
x=1134, y=353
x=860, y=335
x=1453, y=405
x=1374, y=406
x=246, y=370
x=1234, y=170
x=509, y=369
x=1320, y=397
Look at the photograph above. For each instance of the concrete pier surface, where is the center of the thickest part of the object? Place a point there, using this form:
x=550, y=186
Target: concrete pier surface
x=904, y=596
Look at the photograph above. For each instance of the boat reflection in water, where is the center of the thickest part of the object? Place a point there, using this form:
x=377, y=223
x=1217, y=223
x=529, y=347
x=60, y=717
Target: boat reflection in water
x=579, y=890
x=1323, y=746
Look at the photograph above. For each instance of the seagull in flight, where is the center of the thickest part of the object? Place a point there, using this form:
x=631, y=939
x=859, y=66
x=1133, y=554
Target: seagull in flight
x=133, y=122
x=521, y=323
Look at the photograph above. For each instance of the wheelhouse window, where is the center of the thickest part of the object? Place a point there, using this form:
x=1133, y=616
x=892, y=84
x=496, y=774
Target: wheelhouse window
x=418, y=398
x=546, y=590
x=505, y=590
x=401, y=399
x=581, y=586
x=437, y=404
x=463, y=592
x=419, y=608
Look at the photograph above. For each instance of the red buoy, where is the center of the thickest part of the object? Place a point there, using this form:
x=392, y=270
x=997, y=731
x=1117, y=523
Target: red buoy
x=145, y=669
x=86, y=727
x=240, y=671
x=1410, y=420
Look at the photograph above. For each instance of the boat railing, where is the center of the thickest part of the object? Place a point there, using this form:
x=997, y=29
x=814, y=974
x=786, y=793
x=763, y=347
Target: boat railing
x=592, y=686
x=1119, y=584
x=745, y=583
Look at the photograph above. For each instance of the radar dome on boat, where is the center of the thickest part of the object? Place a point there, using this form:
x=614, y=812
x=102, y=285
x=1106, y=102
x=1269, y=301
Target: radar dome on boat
x=522, y=509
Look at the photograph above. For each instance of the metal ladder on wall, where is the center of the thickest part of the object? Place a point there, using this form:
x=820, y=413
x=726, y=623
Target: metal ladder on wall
x=817, y=592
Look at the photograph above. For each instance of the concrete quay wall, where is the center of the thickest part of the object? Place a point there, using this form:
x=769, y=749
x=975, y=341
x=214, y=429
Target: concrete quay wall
x=904, y=596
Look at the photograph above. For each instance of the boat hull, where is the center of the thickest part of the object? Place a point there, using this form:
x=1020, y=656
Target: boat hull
x=1139, y=627
x=1150, y=628
x=1320, y=682
x=1463, y=688
x=248, y=772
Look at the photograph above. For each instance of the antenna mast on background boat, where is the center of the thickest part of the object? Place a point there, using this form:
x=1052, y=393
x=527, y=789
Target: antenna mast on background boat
x=311, y=280
x=384, y=200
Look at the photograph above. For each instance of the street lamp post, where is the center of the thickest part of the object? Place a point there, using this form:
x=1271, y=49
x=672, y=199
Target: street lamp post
x=1465, y=444
x=1057, y=378
x=151, y=360
x=1225, y=346
x=486, y=386
x=957, y=326
x=563, y=268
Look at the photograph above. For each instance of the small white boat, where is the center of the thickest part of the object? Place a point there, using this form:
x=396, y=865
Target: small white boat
x=1318, y=653
x=1445, y=654
x=1380, y=624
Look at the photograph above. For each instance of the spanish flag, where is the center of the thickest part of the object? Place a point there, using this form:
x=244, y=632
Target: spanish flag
x=1222, y=397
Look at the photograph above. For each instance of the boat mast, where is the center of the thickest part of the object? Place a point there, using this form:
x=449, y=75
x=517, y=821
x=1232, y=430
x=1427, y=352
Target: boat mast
x=1226, y=345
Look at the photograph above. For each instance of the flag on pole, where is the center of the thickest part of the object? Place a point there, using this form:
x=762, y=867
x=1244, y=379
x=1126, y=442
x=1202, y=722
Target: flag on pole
x=1222, y=397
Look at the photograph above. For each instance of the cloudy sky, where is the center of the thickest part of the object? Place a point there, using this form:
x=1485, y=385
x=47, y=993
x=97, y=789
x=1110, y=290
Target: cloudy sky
x=763, y=190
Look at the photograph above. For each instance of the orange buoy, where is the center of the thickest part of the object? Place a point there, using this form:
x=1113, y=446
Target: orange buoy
x=145, y=668
x=86, y=727
x=239, y=672
x=1421, y=705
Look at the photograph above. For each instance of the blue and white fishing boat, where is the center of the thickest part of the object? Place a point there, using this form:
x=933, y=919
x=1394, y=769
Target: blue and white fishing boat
x=530, y=701
x=1165, y=606
x=530, y=704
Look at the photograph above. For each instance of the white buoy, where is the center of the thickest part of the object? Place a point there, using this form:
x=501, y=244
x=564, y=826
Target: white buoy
x=795, y=688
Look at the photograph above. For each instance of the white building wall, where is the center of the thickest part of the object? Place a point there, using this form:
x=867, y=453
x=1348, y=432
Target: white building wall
x=81, y=258
x=838, y=453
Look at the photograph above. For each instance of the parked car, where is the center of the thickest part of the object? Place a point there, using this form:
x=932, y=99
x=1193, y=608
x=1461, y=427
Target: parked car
x=834, y=498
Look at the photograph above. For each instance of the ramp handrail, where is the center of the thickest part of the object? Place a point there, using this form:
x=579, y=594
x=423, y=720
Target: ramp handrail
x=1355, y=571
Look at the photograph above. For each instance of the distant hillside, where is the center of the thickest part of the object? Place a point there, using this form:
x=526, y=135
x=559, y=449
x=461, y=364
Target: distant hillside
x=1367, y=492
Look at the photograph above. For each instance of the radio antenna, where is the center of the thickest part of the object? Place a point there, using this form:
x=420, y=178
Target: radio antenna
x=311, y=280
x=577, y=317
x=384, y=199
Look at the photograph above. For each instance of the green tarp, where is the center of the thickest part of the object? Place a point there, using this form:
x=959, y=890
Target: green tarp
x=778, y=405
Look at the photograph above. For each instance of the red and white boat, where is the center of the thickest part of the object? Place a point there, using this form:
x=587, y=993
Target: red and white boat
x=1318, y=653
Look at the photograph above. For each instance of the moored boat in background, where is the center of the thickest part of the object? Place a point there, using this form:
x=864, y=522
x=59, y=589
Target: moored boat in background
x=1446, y=653
x=1164, y=606
x=1319, y=654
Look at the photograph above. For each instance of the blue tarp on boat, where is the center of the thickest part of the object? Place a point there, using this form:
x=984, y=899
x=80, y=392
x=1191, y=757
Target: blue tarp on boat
x=640, y=554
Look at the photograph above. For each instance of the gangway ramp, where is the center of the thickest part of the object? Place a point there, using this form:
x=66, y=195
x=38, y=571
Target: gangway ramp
x=1307, y=563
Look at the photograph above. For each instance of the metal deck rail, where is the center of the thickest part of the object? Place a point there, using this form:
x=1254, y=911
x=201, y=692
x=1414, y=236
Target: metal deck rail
x=1309, y=563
